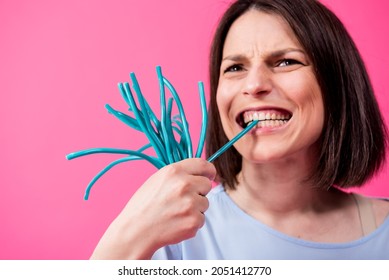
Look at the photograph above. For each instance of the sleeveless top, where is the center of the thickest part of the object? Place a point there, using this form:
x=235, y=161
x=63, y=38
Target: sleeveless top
x=229, y=233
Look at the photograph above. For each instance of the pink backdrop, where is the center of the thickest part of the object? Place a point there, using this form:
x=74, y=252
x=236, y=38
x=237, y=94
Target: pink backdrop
x=60, y=62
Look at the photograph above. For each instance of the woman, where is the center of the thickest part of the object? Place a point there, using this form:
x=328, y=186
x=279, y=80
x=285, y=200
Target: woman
x=291, y=65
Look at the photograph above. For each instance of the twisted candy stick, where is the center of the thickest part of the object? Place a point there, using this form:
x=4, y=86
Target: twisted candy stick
x=160, y=133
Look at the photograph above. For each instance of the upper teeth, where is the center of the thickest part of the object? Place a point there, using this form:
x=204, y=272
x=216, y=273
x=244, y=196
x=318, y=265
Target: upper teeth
x=261, y=116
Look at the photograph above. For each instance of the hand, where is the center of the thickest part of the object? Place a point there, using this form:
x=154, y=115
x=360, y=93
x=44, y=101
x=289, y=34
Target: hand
x=168, y=208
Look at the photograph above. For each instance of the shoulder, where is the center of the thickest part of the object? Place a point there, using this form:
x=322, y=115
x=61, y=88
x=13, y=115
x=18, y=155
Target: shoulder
x=222, y=206
x=379, y=206
x=381, y=209
x=217, y=198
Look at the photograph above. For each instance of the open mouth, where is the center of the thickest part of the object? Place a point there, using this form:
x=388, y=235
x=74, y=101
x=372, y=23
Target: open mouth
x=266, y=118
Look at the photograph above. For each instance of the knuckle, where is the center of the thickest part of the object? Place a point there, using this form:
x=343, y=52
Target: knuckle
x=172, y=170
x=188, y=206
x=209, y=169
x=182, y=185
x=208, y=184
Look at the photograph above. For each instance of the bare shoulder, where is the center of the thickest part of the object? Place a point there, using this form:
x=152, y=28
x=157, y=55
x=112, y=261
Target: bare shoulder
x=381, y=209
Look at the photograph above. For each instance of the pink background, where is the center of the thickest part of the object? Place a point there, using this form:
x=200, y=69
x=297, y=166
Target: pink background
x=60, y=62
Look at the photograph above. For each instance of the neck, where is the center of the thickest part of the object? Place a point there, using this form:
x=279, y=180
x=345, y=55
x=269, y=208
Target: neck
x=278, y=188
x=279, y=195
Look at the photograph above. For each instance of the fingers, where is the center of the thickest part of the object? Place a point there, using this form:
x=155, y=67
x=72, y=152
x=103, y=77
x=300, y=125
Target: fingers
x=201, y=203
x=190, y=192
x=197, y=166
x=173, y=200
x=192, y=174
x=187, y=192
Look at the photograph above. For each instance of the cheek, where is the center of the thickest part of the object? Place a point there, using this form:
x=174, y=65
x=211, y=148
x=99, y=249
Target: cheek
x=219, y=100
x=312, y=109
x=223, y=100
x=222, y=106
x=305, y=92
x=225, y=103
x=313, y=102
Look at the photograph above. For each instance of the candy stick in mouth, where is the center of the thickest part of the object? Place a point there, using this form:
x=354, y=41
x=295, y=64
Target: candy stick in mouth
x=232, y=141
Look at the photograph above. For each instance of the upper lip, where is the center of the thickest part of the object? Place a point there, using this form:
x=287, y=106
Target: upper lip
x=239, y=117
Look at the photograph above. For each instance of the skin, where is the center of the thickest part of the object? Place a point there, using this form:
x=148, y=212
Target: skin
x=166, y=209
x=264, y=68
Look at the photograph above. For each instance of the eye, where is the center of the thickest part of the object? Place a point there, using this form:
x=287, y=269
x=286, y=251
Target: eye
x=233, y=68
x=288, y=62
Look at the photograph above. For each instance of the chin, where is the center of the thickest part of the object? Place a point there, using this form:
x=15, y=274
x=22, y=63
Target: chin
x=264, y=158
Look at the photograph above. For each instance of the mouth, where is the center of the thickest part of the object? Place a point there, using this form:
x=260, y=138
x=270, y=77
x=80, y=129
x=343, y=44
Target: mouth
x=267, y=117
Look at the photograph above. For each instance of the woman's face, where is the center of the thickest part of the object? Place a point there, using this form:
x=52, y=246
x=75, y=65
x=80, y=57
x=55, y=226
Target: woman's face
x=265, y=74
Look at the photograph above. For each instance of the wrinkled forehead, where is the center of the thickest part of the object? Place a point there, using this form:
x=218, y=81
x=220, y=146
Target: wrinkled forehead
x=257, y=32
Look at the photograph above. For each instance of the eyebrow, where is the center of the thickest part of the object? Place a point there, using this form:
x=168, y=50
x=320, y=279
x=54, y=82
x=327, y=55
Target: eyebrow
x=285, y=51
x=239, y=57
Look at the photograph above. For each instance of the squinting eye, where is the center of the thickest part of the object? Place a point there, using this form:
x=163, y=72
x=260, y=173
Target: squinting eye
x=233, y=68
x=287, y=62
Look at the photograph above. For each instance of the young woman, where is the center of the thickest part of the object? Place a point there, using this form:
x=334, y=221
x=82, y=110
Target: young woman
x=291, y=65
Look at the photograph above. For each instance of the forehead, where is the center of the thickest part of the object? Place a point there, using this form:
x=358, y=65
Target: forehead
x=259, y=31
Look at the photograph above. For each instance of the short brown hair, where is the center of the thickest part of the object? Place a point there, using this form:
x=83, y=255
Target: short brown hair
x=354, y=137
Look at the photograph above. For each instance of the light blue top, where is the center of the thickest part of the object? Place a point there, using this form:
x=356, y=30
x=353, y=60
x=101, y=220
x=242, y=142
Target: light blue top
x=229, y=233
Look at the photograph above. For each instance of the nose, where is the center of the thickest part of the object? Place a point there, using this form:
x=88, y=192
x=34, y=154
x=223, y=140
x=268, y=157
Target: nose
x=258, y=81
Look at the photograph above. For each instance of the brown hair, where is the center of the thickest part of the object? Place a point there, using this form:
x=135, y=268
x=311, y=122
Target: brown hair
x=354, y=137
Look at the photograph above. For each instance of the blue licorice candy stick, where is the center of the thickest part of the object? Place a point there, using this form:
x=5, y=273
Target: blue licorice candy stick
x=125, y=89
x=142, y=103
x=131, y=122
x=101, y=173
x=182, y=115
x=179, y=128
x=170, y=134
x=167, y=121
x=204, y=120
x=153, y=117
x=180, y=149
x=174, y=145
x=162, y=98
x=146, y=117
x=151, y=130
x=184, y=146
x=178, y=123
x=126, y=92
x=183, y=120
x=156, y=124
x=150, y=112
x=161, y=134
x=232, y=141
x=154, y=161
x=176, y=117
x=155, y=142
x=109, y=166
x=97, y=151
